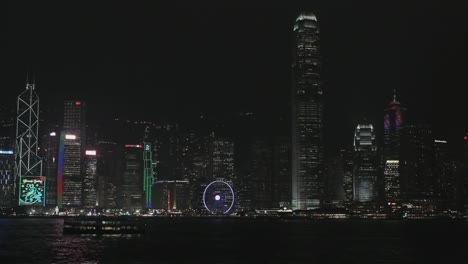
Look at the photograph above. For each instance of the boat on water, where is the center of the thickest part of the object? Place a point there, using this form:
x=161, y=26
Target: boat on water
x=103, y=225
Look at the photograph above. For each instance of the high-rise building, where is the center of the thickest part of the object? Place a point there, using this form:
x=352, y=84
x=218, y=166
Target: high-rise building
x=392, y=180
x=444, y=175
x=69, y=177
x=307, y=114
x=72, y=142
x=132, y=197
x=108, y=171
x=49, y=151
x=148, y=174
x=7, y=169
x=365, y=163
x=90, y=181
x=28, y=166
x=282, y=173
x=74, y=119
x=271, y=170
x=346, y=157
x=222, y=159
x=7, y=158
x=262, y=171
x=416, y=162
x=393, y=122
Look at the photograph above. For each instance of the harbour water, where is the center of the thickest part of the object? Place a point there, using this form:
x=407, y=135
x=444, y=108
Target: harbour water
x=231, y=240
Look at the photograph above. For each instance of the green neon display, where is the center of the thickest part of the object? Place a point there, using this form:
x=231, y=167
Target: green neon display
x=148, y=178
x=32, y=190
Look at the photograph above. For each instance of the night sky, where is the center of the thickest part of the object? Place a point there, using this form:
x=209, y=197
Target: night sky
x=150, y=61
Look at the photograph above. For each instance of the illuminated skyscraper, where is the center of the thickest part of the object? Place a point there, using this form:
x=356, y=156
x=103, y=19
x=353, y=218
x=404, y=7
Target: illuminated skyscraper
x=132, y=196
x=148, y=177
x=7, y=169
x=346, y=157
x=393, y=122
x=416, y=162
x=49, y=150
x=282, y=173
x=90, y=181
x=28, y=169
x=444, y=174
x=222, y=159
x=307, y=115
x=365, y=163
x=72, y=142
x=392, y=180
x=108, y=170
x=7, y=158
x=271, y=174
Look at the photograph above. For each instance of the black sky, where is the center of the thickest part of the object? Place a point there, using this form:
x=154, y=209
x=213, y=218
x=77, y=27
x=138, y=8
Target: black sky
x=147, y=61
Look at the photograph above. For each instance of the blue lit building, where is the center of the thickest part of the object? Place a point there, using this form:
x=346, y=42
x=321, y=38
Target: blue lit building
x=7, y=181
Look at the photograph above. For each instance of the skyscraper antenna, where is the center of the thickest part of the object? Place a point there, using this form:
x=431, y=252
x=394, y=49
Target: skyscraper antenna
x=394, y=95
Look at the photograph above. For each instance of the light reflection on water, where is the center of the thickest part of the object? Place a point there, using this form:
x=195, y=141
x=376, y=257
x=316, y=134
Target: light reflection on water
x=235, y=241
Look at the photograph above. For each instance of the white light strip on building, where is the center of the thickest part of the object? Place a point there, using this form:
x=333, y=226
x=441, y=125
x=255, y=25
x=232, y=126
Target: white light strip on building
x=90, y=152
x=70, y=137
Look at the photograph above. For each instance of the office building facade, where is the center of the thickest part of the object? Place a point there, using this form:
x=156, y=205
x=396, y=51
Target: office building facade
x=393, y=122
x=365, y=163
x=71, y=147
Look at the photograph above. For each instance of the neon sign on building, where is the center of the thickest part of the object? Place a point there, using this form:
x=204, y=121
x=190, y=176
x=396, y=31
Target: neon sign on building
x=32, y=190
x=148, y=178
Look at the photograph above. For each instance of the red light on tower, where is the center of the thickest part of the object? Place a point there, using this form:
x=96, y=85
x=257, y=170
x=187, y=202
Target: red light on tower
x=465, y=138
x=77, y=103
x=133, y=146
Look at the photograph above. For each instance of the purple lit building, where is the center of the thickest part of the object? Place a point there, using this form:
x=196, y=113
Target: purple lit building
x=393, y=122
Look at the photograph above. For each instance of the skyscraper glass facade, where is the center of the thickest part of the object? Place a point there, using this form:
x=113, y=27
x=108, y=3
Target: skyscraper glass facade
x=132, y=178
x=90, y=180
x=70, y=167
x=307, y=114
x=393, y=122
x=365, y=163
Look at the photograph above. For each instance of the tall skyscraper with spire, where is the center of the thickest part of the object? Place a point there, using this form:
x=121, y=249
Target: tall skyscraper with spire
x=307, y=114
x=28, y=166
x=393, y=122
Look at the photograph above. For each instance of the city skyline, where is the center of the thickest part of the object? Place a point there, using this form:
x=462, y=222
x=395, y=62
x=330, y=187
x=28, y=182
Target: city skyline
x=307, y=131
x=212, y=78
x=316, y=137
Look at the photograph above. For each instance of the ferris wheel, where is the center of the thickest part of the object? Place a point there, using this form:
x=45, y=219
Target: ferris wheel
x=218, y=197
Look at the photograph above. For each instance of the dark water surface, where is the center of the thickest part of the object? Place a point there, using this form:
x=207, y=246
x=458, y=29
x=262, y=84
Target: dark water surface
x=192, y=240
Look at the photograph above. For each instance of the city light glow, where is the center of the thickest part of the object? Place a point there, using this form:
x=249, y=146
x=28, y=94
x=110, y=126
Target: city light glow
x=133, y=146
x=70, y=136
x=90, y=152
x=52, y=134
